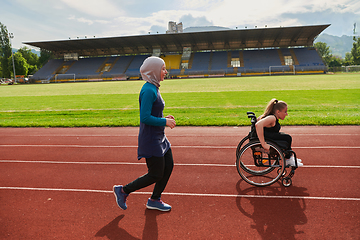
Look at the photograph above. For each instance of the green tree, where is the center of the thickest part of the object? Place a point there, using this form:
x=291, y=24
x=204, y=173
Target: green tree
x=45, y=56
x=31, y=58
x=348, y=59
x=324, y=50
x=21, y=66
x=335, y=62
x=355, y=51
x=5, y=51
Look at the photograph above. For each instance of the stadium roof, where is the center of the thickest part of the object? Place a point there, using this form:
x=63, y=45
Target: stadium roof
x=209, y=40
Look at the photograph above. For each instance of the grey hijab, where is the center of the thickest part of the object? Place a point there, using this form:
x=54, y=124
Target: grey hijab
x=151, y=70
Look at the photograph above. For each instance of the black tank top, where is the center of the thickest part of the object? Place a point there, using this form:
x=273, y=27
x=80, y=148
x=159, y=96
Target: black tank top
x=274, y=129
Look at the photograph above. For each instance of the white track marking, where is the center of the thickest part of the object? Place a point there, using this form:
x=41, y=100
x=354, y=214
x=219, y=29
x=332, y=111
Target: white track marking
x=68, y=146
x=143, y=163
x=329, y=147
x=173, y=146
x=183, y=194
x=171, y=135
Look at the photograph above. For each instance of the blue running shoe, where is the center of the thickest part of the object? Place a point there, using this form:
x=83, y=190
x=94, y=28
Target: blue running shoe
x=120, y=197
x=158, y=205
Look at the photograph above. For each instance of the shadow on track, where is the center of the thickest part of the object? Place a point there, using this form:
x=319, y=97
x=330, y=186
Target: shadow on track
x=113, y=232
x=273, y=218
x=151, y=231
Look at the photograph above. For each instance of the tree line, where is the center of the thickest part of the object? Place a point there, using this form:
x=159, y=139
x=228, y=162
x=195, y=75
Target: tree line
x=26, y=62
x=351, y=58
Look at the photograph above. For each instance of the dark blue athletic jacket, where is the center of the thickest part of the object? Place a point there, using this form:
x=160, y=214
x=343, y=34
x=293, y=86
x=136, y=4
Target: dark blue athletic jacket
x=152, y=141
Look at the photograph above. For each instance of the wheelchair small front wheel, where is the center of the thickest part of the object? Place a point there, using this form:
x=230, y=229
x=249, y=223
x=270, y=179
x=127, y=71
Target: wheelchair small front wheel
x=286, y=182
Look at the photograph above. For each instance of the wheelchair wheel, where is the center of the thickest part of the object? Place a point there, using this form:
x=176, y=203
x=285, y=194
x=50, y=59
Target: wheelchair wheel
x=241, y=143
x=257, y=167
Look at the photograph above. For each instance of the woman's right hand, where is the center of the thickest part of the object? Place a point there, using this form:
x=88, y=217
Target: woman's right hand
x=170, y=121
x=266, y=147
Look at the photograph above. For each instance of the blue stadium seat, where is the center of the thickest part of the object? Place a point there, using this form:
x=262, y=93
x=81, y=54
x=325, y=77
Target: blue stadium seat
x=201, y=61
x=134, y=67
x=86, y=66
x=219, y=61
x=308, y=57
x=261, y=60
x=47, y=70
x=121, y=65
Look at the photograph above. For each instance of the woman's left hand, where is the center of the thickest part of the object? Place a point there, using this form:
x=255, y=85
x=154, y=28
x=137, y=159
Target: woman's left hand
x=170, y=121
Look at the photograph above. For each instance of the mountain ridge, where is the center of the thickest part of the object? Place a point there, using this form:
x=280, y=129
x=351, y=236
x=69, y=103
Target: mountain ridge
x=339, y=46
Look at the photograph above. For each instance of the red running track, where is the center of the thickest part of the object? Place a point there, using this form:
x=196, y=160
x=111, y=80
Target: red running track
x=56, y=183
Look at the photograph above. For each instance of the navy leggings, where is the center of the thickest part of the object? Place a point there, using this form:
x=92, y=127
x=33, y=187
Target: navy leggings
x=159, y=171
x=282, y=139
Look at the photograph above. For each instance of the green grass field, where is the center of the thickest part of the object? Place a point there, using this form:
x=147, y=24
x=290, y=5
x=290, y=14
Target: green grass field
x=313, y=100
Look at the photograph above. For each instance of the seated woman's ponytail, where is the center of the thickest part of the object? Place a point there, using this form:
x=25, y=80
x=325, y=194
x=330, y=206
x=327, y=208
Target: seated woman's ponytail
x=272, y=106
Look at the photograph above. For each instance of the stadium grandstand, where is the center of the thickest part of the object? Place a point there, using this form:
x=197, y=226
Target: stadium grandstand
x=259, y=51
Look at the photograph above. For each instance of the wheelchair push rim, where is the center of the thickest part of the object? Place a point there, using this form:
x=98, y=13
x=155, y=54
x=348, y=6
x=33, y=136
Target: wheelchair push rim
x=256, y=167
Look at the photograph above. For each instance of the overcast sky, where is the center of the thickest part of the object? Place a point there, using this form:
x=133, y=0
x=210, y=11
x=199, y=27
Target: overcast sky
x=48, y=20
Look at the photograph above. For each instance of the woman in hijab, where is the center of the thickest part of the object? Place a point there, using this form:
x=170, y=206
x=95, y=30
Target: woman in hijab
x=152, y=142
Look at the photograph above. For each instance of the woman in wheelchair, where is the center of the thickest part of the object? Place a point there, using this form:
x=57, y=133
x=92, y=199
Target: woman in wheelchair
x=268, y=127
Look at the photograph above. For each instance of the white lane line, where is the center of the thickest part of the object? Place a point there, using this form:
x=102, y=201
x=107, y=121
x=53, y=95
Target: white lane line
x=113, y=163
x=67, y=146
x=172, y=135
x=184, y=194
x=173, y=146
x=329, y=147
x=143, y=163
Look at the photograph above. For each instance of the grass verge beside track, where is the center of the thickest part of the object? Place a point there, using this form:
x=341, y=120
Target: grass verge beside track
x=312, y=100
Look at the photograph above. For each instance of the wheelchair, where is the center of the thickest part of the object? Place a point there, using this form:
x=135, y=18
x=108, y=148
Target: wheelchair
x=258, y=167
